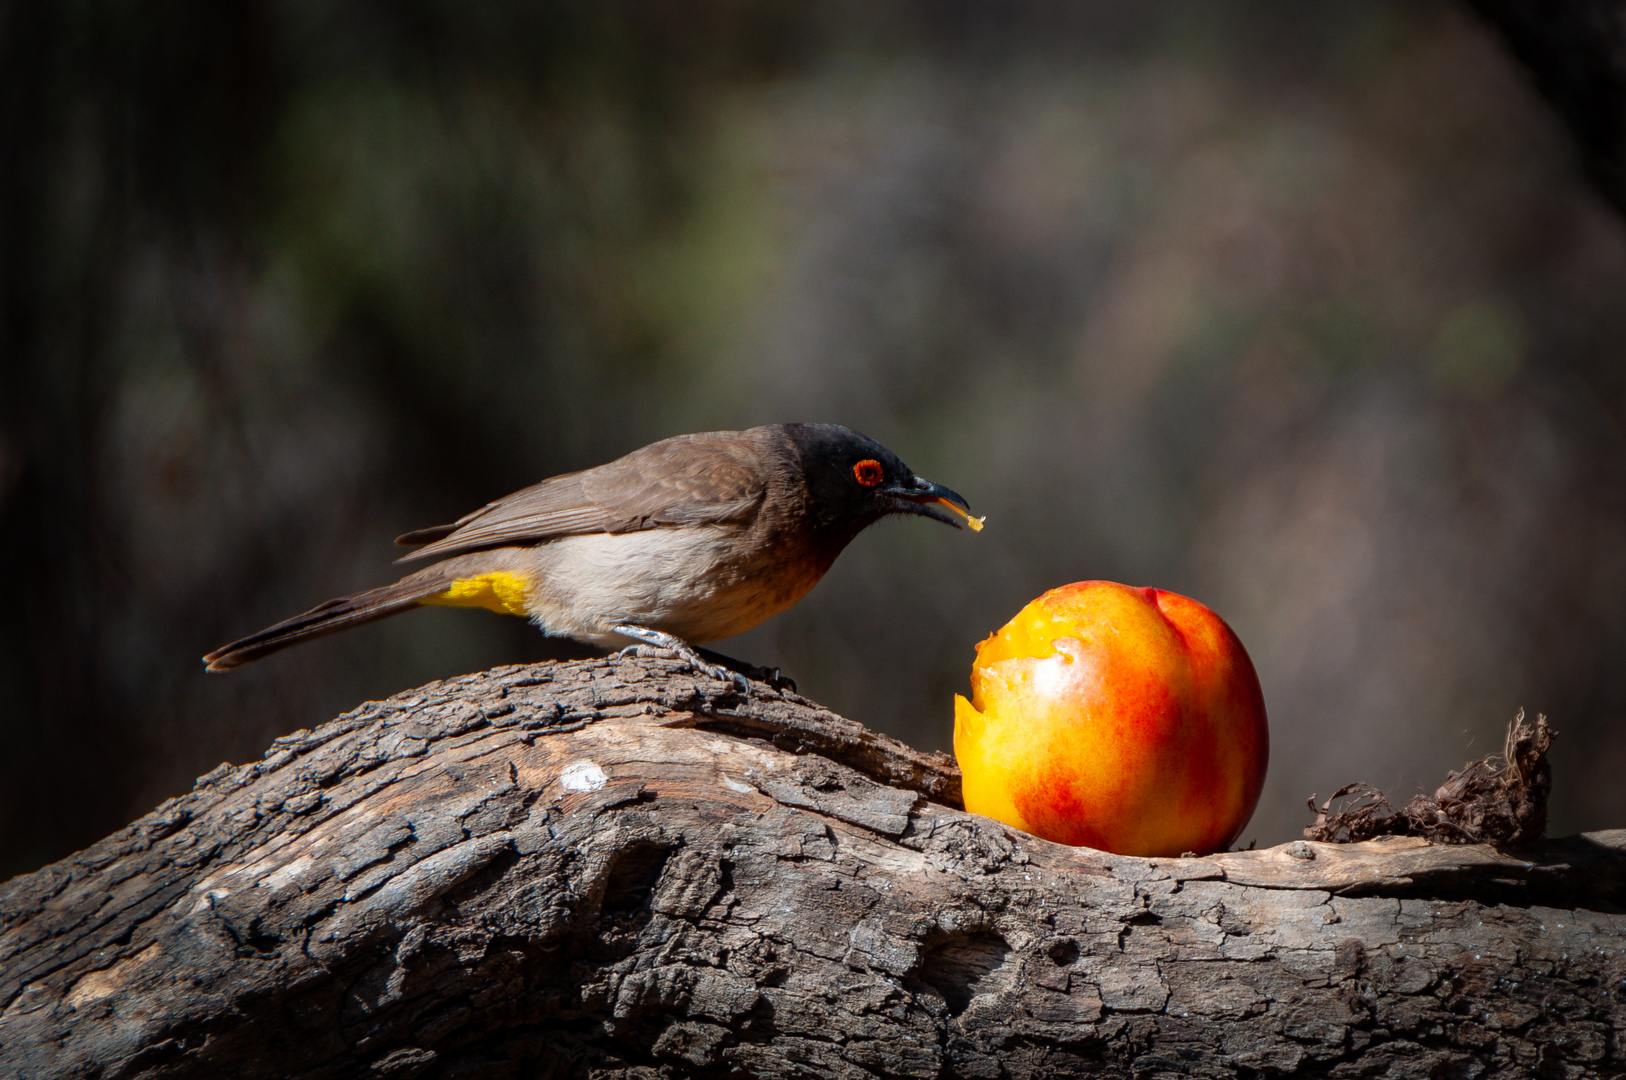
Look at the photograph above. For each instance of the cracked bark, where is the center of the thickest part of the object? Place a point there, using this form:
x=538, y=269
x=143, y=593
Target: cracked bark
x=614, y=869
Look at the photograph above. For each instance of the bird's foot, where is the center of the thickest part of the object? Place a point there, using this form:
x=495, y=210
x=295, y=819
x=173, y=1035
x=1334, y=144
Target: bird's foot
x=770, y=675
x=676, y=646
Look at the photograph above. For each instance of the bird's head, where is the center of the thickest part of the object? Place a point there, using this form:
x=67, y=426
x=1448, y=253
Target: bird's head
x=854, y=481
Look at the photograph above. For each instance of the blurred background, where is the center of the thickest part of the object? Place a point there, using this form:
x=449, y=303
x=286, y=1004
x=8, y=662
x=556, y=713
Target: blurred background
x=1304, y=310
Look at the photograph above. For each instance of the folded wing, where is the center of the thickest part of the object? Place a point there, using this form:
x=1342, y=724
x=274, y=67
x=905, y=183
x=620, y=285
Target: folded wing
x=689, y=479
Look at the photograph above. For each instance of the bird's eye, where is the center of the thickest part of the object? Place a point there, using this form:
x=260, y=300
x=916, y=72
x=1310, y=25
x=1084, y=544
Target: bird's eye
x=868, y=472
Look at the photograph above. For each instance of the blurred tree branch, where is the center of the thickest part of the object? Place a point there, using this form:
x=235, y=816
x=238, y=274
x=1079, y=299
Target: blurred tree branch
x=1577, y=51
x=611, y=868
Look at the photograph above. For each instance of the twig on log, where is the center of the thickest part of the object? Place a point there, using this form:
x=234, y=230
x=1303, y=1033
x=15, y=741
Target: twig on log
x=1498, y=799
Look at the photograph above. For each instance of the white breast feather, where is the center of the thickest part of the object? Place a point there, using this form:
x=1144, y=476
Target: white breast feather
x=683, y=581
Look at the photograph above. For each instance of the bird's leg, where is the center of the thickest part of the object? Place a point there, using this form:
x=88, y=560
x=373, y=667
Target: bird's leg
x=770, y=675
x=684, y=651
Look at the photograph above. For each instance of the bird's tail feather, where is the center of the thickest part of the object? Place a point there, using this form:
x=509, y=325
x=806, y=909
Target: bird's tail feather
x=328, y=618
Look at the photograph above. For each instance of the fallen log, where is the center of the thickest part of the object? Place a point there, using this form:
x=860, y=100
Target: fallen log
x=617, y=869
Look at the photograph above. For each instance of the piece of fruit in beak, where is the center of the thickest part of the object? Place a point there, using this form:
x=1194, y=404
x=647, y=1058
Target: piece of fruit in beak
x=924, y=493
x=972, y=523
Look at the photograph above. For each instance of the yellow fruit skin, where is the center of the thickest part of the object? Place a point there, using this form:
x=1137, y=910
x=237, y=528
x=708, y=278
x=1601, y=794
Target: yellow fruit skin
x=1124, y=719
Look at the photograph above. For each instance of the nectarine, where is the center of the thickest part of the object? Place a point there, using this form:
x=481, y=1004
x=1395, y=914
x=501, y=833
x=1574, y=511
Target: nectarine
x=1124, y=719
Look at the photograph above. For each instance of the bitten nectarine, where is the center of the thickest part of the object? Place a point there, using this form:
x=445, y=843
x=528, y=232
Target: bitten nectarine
x=1124, y=719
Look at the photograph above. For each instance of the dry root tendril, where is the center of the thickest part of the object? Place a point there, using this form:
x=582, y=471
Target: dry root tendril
x=1499, y=799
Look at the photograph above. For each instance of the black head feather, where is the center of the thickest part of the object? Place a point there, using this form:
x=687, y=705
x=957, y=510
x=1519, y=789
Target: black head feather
x=853, y=481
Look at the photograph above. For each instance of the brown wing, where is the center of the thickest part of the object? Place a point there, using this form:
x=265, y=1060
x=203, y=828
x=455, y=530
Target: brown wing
x=717, y=476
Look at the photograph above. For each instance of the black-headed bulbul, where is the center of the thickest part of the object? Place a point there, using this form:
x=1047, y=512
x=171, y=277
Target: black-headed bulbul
x=685, y=541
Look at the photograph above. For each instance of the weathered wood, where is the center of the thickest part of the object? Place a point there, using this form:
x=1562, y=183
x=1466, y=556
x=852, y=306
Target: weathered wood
x=585, y=869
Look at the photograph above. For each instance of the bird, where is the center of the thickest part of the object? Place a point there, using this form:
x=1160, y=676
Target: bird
x=687, y=540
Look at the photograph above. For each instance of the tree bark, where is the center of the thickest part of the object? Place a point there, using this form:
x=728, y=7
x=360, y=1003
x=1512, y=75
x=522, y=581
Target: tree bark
x=617, y=869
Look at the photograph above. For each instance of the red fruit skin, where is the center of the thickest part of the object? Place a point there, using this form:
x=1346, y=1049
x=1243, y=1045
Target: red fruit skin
x=1128, y=720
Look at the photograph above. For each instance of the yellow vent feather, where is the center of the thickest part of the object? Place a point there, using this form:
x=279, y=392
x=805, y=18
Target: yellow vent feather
x=499, y=591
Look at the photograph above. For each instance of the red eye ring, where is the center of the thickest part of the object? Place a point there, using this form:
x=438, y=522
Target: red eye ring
x=868, y=472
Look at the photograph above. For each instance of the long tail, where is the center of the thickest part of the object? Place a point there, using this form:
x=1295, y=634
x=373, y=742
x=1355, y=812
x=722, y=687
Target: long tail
x=328, y=618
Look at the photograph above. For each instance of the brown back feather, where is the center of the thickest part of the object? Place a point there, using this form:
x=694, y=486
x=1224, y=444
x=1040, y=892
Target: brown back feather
x=712, y=477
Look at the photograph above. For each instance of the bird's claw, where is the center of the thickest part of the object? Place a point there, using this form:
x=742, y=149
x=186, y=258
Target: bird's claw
x=778, y=679
x=717, y=671
x=641, y=651
x=658, y=643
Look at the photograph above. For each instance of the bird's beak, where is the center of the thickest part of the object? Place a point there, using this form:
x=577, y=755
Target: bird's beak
x=928, y=499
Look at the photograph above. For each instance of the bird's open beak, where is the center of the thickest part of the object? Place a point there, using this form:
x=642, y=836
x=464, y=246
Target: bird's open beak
x=928, y=499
